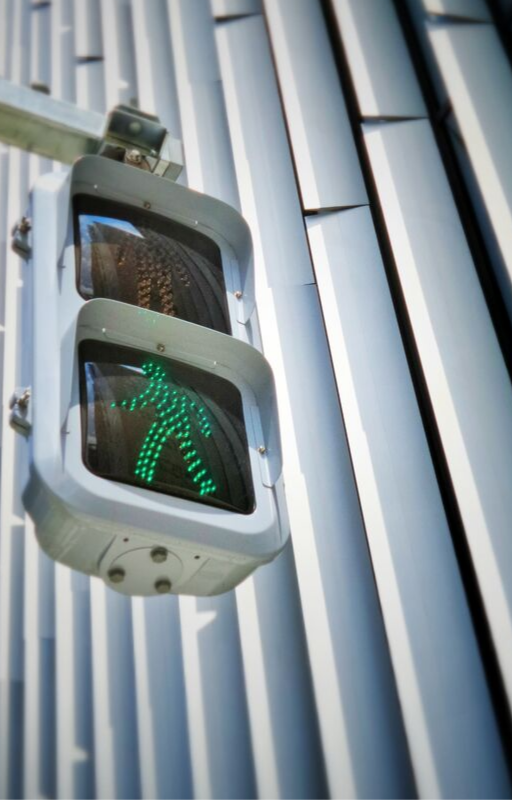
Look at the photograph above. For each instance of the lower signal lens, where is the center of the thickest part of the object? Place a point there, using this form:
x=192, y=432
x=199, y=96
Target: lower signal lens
x=165, y=426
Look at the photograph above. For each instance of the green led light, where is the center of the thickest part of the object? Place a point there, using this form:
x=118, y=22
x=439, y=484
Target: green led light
x=170, y=407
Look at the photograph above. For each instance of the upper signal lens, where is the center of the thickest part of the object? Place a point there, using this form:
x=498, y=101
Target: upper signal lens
x=140, y=258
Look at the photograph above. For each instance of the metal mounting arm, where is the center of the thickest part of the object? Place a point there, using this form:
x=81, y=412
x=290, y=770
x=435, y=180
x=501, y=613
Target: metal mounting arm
x=40, y=124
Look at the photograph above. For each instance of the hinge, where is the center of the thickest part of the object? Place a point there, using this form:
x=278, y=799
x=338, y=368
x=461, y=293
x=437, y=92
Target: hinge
x=20, y=417
x=20, y=242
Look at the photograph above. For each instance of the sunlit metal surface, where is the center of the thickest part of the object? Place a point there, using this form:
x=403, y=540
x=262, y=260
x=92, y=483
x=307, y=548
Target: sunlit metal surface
x=385, y=83
x=478, y=78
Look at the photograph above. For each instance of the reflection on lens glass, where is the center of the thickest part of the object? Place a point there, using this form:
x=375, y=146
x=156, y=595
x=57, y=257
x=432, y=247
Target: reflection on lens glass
x=165, y=426
x=139, y=258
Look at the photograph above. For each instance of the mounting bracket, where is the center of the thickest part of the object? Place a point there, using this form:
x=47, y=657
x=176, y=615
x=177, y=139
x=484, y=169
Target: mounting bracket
x=37, y=123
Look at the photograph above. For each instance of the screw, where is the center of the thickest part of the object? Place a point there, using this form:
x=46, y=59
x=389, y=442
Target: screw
x=147, y=204
x=262, y=449
x=163, y=586
x=238, y=294
x=25, y=224
x=116, y=575
x=161, y=348
x=133, y=157
x=135, y=127
x=159, y=555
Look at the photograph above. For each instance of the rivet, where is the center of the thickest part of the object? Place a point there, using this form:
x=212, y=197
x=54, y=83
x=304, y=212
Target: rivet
x=159, y=555
x=116, y=575
x=147, y=204
x=160, y=348
x=238, y=295
x=262, y=449
x=163, y=586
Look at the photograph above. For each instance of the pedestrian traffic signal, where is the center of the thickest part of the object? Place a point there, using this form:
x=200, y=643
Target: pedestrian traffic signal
x=155, y=453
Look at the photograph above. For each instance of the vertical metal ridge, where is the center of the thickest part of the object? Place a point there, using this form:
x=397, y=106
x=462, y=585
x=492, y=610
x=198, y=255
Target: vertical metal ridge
x=412, y=21
x=324, y=154
x=270, y=710
x=407, y=531
x=156, y=79
x=208, y=154
x=12, y=522
x=329, y=542
x=74, y=746
x=384, y=82
x=218, y=765
x=458, y=349
x=478, y=79
x=39, y=728
x=285, y=732
x=270, y=166
x=87, y=28
x=119, y=52
x=429, y=418
x=163, y=730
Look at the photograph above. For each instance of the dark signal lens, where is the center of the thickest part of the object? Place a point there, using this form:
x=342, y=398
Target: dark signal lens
x=165, y=426
x=145, y=260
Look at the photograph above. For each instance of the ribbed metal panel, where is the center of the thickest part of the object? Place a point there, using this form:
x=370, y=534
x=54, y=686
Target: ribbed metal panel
x=323, y=148
x=404, y=518
x=478, y=78
x=467, y=379
x=354, y=665
x=384, y=80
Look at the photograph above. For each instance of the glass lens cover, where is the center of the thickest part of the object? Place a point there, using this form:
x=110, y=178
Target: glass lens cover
x=140, y=258
x=165, y=426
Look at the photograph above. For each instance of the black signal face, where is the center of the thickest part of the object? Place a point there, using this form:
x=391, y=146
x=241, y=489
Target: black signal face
x=139, y=258
x=165, y=426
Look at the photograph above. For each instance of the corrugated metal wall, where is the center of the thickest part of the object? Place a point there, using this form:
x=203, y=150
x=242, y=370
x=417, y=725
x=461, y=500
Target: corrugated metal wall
x=367, y=144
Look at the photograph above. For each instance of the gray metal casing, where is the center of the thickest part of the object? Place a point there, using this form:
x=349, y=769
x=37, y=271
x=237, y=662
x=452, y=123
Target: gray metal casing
x=91, y=523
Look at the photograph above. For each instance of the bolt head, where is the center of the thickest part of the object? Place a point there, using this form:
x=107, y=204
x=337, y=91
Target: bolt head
x=116, y=575
x=134, y=157
x=238, y=295
x=160, y=348
x=163, y=585
x=147, y=204
x=159, y=555
x=262, y=449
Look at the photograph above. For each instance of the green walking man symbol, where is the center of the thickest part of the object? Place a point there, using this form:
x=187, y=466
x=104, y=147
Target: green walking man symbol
x=174, y=412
